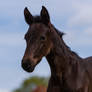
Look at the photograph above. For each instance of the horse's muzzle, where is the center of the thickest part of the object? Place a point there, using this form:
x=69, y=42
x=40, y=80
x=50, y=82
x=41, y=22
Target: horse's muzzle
x=27, y=65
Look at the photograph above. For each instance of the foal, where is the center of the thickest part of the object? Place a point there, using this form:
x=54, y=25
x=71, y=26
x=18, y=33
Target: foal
x=69, y=72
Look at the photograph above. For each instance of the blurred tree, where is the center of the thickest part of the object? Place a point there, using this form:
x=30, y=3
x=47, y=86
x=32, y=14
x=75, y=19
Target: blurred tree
x=31, y=83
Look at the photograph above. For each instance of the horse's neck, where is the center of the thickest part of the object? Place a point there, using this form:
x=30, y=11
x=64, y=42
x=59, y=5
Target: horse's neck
x=59, y=57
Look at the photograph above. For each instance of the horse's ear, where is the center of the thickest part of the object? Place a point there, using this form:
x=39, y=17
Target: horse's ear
x=45, y=15
x=28, y=16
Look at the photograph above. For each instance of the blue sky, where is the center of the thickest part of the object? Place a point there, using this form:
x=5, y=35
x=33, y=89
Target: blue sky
x=70, y=16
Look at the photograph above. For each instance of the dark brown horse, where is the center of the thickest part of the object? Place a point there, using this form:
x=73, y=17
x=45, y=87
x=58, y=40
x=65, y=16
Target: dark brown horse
x=69, y=72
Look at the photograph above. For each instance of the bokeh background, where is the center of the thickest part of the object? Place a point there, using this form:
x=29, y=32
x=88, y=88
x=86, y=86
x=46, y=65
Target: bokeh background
x=74, y=17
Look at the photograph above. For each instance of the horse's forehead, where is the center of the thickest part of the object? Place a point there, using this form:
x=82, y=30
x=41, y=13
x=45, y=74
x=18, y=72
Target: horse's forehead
x=36, y=29
x=39, y=27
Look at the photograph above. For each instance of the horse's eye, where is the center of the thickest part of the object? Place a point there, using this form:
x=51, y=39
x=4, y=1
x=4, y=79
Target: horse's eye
x=42, y=38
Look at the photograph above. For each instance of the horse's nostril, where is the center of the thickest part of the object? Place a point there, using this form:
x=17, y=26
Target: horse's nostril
x=25, y=64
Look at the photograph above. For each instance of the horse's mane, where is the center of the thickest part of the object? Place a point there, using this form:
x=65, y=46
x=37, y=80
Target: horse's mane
x=61, y=36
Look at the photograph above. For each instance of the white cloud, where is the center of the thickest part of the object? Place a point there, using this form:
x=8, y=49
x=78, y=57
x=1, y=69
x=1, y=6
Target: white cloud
x=79, y=25
x=11, y=39
x=4, y=90
x=79, y=38
x=88, y=32
x=82, y=15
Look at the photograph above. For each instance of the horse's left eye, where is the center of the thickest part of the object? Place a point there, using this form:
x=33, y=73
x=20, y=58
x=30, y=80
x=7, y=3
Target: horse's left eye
x=42, y=38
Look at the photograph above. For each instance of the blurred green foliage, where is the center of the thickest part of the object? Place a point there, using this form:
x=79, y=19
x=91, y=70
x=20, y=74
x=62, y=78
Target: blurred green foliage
x=31, y=83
